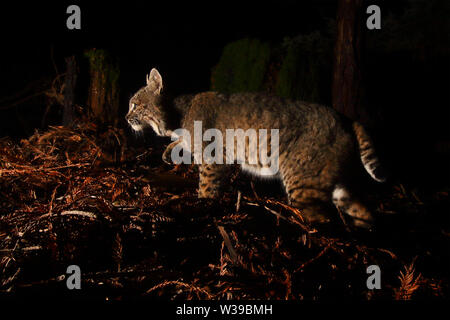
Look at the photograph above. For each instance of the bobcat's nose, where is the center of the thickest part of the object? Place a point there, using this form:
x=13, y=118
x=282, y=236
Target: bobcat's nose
x=130, y=119
x=134, y=123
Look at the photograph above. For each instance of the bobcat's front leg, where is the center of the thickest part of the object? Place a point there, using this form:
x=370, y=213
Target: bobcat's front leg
x=167, y=155
x=212, y=180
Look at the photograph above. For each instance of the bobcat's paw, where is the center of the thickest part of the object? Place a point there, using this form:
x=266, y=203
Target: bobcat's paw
x=315, y=215
x=166, y=156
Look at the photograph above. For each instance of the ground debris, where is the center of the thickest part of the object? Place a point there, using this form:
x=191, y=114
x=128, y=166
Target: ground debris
x=136, y=228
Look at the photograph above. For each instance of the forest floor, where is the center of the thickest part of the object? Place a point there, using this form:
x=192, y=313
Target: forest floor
x=136, y=229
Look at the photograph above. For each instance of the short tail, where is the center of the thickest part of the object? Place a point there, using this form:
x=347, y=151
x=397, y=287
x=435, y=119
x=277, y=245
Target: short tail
x=368, y=155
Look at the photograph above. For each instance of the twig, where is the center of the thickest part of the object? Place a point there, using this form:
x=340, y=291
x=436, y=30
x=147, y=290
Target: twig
x=52, y=200
x=181, y=284
x=296, y=211
x=254, y=191
x=28, y=168
x=341, y=215
x=238, y=202
x=227, y=241
x=321, y=253
x=32, y=248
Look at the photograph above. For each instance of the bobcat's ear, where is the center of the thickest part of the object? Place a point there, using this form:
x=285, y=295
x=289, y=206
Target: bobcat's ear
x=154, y=81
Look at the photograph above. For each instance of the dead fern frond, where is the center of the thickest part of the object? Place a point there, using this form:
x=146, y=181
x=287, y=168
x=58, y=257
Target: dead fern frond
x=409, y=283
x=188, y=287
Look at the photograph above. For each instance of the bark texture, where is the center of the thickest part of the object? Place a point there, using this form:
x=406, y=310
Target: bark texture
x=348, y=84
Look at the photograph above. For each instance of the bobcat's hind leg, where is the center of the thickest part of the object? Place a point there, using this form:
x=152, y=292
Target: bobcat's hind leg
x=212, y=180
x=311, y=203
x=310, y=193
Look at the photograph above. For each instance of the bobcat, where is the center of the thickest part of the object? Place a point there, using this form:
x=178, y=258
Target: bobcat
x=319, y=150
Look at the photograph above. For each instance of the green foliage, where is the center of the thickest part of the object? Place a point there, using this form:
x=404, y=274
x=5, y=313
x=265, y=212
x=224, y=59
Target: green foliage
x=299, y=68
x=242, y=66
x=101, y=61
x=103, y=98
x=306, y=69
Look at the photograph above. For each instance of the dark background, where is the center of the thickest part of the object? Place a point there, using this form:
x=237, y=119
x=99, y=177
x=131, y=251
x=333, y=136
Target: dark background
x=407, y=81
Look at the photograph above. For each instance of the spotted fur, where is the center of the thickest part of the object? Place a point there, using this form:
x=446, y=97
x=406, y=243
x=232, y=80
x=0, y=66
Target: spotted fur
x=317, y=148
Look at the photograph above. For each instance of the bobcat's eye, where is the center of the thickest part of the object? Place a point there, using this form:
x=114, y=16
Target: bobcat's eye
x=132, y=106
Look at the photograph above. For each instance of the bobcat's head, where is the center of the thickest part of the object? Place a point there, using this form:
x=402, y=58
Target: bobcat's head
x=146, y=106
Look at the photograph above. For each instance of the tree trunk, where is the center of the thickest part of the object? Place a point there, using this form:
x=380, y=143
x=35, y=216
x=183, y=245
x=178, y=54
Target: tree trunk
x=103, y=96
x=69, y=91
x=348, y=84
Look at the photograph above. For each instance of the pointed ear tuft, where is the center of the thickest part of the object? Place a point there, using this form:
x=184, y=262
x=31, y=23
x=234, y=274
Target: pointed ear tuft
x=154, y=81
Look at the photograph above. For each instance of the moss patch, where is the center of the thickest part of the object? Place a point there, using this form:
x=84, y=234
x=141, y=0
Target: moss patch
x=242, y=66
